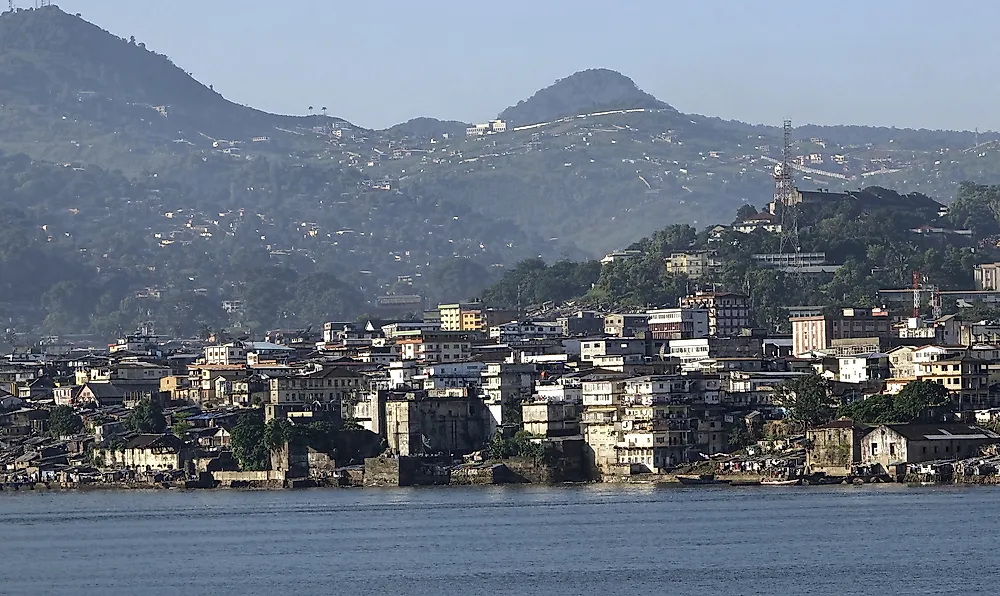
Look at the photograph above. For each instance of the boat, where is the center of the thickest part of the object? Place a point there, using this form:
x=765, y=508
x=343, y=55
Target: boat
x=774, y=482
x=744, y=483
x=700, y=479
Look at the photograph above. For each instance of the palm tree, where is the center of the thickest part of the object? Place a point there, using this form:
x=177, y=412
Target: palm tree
x=324, y=110
x=310, y=110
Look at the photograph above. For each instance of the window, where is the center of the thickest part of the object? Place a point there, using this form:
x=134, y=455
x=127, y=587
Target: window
x=874, y=449
x=892, y=449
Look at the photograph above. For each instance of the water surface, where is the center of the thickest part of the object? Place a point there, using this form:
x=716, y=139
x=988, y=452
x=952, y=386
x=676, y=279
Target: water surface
x=602, y=540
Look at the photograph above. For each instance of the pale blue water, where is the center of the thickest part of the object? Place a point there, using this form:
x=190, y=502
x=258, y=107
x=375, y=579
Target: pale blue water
x=602, y=540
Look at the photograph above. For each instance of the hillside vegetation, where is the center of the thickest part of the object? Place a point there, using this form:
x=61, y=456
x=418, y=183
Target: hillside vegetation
x=131, y=176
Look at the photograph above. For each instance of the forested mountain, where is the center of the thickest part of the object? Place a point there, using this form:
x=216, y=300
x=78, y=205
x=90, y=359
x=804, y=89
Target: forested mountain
x=149, y=183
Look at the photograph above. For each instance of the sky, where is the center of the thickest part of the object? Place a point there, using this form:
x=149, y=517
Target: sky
x=903, y=63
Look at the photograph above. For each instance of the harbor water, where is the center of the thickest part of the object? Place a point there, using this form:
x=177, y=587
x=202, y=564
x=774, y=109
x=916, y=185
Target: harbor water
x=597, y=539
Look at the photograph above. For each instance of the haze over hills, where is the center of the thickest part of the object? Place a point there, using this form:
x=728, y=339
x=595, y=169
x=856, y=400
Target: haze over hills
x=163, y=182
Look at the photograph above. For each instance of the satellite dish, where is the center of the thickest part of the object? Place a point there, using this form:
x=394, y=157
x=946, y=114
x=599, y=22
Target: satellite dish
x=779, y=170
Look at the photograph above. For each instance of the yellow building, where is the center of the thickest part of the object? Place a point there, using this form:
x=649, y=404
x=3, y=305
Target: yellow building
x=472, y=316
x=965, y=377
x=694, y=264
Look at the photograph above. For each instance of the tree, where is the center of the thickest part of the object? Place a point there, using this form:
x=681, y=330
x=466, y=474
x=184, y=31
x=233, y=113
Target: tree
x=64, y=421
x=911, y=403
x=147, y=417
x=806, y=399
x=248, y=442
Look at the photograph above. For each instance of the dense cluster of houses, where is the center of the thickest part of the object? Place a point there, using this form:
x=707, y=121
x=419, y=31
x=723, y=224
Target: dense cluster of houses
x=636, y=393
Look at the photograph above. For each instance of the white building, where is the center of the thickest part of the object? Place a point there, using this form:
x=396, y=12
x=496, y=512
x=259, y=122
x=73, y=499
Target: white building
x=446, y=375
x=678, y=323
x=592, y=348
x=524, y=331
x=862, y=368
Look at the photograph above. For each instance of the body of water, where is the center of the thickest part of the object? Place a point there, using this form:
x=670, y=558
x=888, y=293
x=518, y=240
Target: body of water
x=602, y=540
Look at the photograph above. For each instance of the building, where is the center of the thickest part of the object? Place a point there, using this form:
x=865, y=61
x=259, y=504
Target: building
x=891, y=444
x=518, y=331
x=583, y=323
x=600, y=422
x=797, y=262
x=987, y=277
x=835, y=448
x=657, y=430
x=327, y=386
x=446, y=375
x=761, y=221
x=450, y=421
x=620, y=255
x=816, y=333
x=690, y=352
x=694, y=264
x=728, y=313
x=626, y=325
x=231, y=353
x=506, y=386
x=592, y=348
x=946, y=330
x=551, y=419
x=901, y=364
x=678, y=323
x=863, y=368
x=150, y=453
x=473, y=316
x=434, y=346
x=965, y=377
x=491, y=127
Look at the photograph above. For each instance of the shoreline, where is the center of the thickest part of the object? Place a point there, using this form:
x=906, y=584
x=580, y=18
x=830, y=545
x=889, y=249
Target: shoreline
x=303, y=484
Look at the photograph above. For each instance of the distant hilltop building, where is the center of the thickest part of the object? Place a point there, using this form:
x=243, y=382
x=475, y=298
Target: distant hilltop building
x=491, y=127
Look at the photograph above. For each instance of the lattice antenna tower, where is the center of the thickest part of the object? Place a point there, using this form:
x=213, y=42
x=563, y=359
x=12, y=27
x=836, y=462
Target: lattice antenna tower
x=785, y=194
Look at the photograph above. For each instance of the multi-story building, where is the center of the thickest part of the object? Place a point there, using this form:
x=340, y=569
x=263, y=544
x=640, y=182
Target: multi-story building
x=690, y=352
x=434, y=346
x=231, y=353
x=863, y=368
x=965, y=377
x=592, y=348
x=728, y=313
x=656, y=428
x=551, y=419
x=327, y=386
x=584, y=323
x=811, y=334
x=506, y=386
x=678, y=323
x=600, y=421
x=518, y=331
x=694, y=264
x=901, y=366
x=473, y=316
x=987, y=277
x=445, y=375
x=448, y=421
x=626, y=325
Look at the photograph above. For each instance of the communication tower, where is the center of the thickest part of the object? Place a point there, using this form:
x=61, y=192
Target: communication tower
x=785, y=194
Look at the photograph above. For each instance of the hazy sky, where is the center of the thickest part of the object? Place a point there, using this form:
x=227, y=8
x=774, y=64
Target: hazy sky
x=912, y=63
